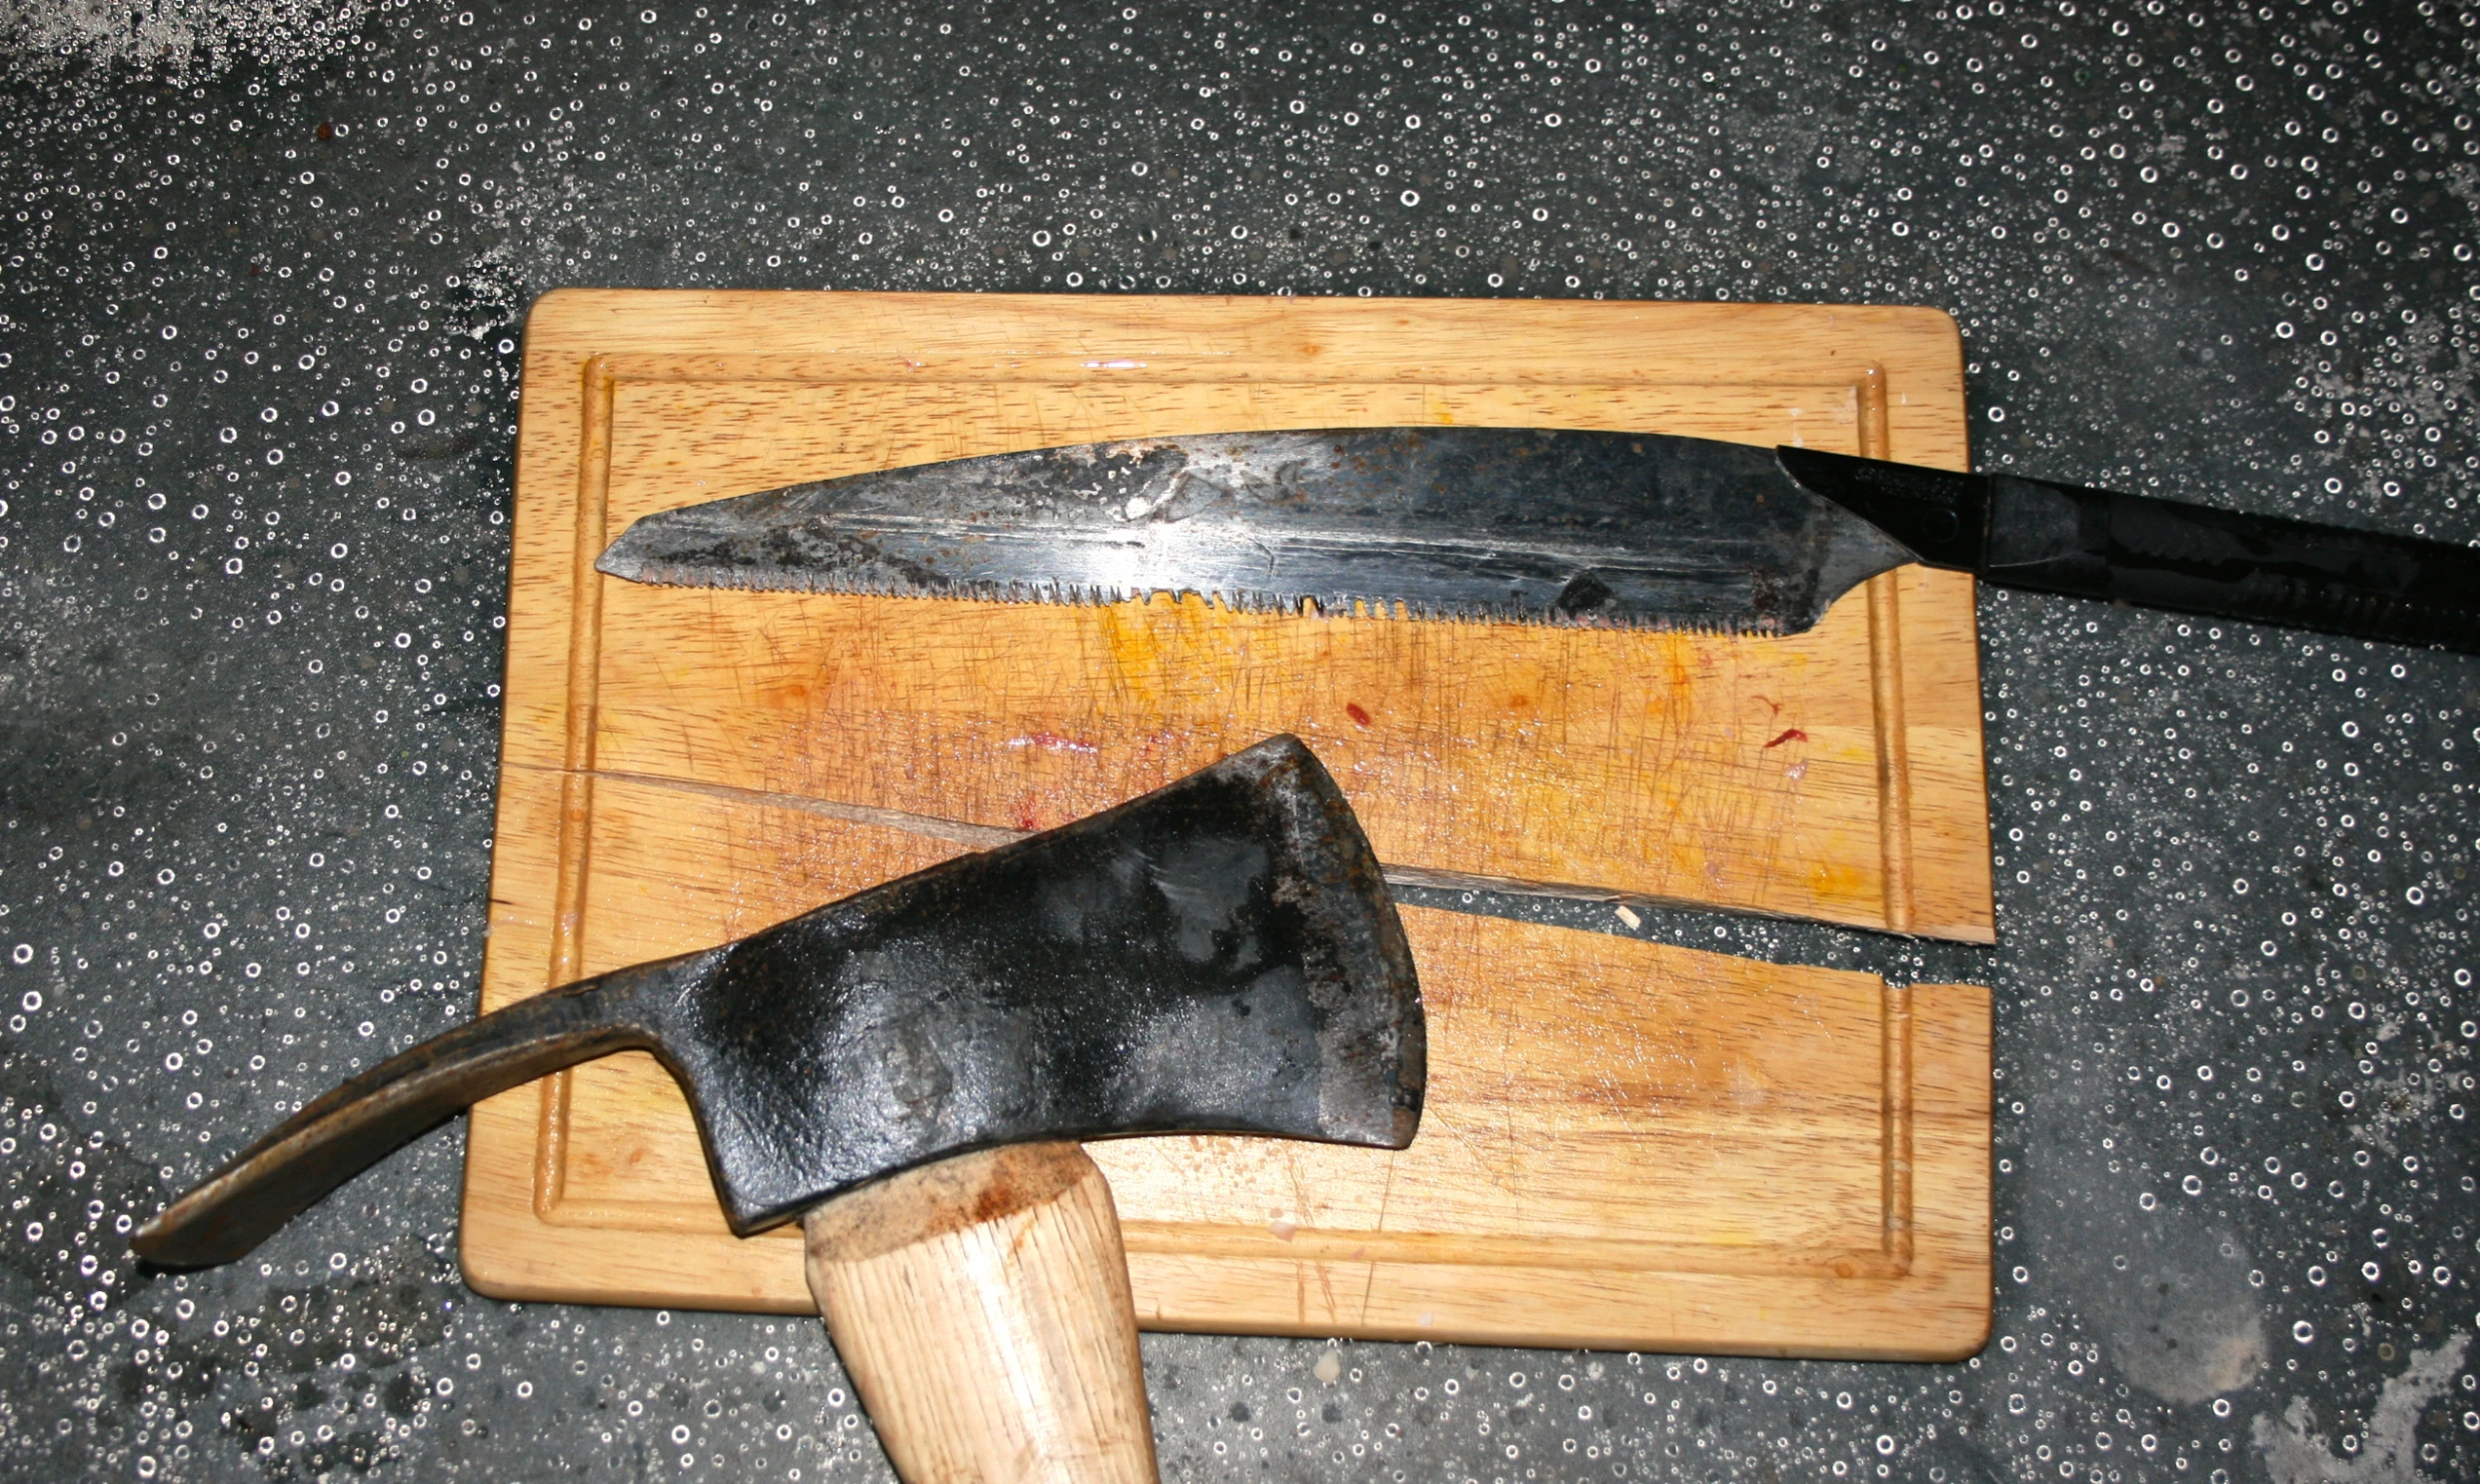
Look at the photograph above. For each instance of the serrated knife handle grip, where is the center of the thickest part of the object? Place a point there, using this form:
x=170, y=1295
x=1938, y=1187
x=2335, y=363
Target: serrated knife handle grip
x=2165, y=553
x=2228, y=564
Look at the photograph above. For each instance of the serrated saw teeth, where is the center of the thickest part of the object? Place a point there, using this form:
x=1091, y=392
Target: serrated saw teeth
x=1250, y=601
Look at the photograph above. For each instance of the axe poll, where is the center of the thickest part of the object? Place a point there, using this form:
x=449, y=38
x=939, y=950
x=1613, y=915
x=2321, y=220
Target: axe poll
x=909, y=1071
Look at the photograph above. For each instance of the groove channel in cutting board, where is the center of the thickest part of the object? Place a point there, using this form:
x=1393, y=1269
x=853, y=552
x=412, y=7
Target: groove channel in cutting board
x=1643, y=1146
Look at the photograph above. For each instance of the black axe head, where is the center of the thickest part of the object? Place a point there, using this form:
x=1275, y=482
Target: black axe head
x=1217, y=956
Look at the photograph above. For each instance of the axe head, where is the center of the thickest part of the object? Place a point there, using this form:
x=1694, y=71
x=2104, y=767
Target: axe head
x=1217, y=956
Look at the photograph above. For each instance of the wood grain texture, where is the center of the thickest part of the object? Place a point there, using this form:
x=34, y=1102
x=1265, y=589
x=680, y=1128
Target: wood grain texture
x=981, y=1306
x=1626, y=1146
x=1723, y=1172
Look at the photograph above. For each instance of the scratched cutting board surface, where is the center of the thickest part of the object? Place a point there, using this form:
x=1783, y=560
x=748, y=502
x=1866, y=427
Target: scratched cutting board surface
x=1626, y=1146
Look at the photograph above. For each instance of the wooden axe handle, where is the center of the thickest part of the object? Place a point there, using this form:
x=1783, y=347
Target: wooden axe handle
x=981, y=1309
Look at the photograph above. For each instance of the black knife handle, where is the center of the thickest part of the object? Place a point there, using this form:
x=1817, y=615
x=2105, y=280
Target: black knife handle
x=2225, y=564
x=2193, y=559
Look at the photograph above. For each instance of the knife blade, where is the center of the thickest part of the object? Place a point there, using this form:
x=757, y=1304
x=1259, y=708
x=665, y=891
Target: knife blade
x=1631, y=529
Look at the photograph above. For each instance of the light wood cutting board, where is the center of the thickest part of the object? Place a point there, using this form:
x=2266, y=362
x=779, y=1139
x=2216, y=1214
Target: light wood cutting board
x=1626, y=1146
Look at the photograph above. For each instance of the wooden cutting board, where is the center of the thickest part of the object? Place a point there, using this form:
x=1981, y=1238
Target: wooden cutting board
x=1626, y=1146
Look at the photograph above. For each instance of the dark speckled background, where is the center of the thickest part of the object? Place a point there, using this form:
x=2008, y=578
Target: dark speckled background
x=262, y=268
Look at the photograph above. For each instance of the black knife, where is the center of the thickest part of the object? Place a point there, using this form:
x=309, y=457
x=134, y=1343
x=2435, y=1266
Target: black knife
x=1627, y=529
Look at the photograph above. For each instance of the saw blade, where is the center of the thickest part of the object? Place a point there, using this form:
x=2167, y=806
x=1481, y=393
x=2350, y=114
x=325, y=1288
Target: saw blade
x=1493, y=524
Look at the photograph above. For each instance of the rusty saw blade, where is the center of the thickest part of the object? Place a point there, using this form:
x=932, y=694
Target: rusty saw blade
x=1629, y=529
